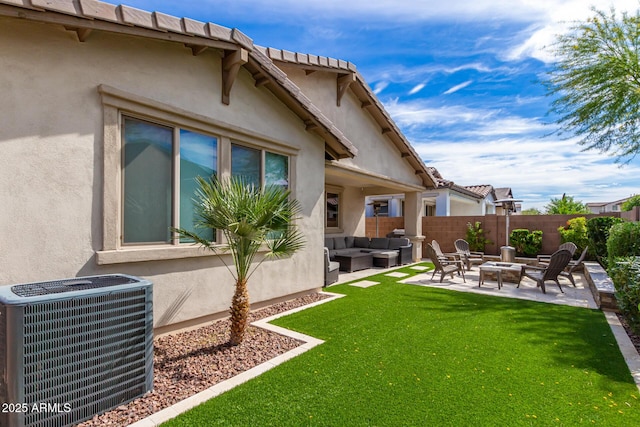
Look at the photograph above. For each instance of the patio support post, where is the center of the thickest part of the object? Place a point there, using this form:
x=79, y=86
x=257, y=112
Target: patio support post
x=413, y=222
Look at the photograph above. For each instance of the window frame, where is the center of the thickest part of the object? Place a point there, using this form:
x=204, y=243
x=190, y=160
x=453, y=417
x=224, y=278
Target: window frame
x=340, y=192
x=116, y=105
x=175, y=203
x=263, y=162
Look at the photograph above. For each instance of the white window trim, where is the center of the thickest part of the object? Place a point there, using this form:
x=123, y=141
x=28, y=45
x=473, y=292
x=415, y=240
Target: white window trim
x=117, y=103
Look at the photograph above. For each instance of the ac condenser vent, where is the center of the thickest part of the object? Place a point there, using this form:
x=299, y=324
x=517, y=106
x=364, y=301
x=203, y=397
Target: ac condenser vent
x=74, y=348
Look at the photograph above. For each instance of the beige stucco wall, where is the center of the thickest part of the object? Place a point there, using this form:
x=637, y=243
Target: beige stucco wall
x=51, y=179
x=375, y=152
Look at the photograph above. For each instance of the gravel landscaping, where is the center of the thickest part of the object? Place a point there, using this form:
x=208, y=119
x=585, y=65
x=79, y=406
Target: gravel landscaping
x=192, y=361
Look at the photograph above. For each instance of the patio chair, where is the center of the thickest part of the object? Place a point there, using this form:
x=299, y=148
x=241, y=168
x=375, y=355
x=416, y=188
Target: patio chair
x=557, y=263
x=570, y=246
x=573, y=266
x=331, y=269
x=448, y=258
x=441, y=267
x=468, y=256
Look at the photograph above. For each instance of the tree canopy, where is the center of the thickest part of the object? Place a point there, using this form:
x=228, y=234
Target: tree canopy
x=596, y=83
x=566, y=205
x=251, y=218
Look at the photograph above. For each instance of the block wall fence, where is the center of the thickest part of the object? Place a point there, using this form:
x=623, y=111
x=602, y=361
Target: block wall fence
x=446, y=229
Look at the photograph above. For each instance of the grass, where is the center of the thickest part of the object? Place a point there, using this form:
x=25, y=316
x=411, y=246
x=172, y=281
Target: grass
x=407, y=355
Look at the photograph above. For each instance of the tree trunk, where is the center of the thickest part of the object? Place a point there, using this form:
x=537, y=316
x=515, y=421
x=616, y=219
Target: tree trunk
x=239, y=312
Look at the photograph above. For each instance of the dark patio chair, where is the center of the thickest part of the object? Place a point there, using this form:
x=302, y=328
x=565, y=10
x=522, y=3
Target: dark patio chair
x=331, y=269
x=468, y=256
x=570, y=246
x=441, y=267
x=573, y=266
x=557, y=263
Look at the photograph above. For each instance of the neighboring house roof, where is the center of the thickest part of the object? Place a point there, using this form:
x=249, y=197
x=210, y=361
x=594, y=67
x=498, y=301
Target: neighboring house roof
x=503, y=193
x=445, y=183
x=85, y=16
x=600, y=204
x=483, y=190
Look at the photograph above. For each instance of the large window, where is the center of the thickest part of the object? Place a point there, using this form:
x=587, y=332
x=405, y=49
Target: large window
x=152, y=154
x=153, y=200
x=259, y=167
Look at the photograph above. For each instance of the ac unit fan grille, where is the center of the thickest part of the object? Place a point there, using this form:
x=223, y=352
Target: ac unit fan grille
x=91, y=353
x=69, y=285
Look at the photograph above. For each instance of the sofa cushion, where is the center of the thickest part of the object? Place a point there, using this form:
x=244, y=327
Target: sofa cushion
x=328, y=242
x=361, y=242
x=339, y=243
x=397, y=242
x=349, y=241
x=379, y=243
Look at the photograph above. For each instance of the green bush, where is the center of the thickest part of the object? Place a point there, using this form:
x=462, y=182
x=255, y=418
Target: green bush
x=527, y=243
x=576, y=232
x=625, y=274
x=623, y=241
x=598, y=233
x=475, y=237
x=631, y=203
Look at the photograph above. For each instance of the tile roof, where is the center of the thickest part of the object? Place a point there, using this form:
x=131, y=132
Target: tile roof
x=84, y=16
x=483, y=190
x=365, y=94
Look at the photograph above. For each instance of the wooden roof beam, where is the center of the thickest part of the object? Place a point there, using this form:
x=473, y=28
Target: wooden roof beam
x=196, y=49
x=310, y=125
x=343, y=82
x=231, y=64
x=82, y=33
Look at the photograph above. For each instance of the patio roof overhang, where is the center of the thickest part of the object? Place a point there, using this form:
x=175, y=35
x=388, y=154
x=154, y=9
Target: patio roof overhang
x=370, y=183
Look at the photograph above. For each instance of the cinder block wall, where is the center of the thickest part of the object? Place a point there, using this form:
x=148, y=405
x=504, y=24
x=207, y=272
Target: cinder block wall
x=446, y=229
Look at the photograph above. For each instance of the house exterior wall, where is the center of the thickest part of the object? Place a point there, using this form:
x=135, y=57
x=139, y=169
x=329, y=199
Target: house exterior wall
x=375, y=153
x=53, y=176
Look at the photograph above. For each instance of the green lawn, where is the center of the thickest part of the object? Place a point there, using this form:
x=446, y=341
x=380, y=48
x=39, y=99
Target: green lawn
x=402, y=355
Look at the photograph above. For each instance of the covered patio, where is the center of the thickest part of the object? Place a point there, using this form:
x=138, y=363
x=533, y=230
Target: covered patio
x=347, y=186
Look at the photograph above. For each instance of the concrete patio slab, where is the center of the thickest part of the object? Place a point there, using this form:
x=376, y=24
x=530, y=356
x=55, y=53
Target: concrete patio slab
x=364, y=283
x=396, y=274
x=580, y=296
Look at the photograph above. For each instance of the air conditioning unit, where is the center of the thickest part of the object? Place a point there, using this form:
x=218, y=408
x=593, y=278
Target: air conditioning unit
x=73, y=348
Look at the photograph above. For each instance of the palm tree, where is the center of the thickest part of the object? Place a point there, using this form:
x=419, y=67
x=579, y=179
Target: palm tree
x=249, y=217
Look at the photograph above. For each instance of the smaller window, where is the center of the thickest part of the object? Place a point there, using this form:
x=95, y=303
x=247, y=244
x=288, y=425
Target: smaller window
x=333, y=210
x=247, y=163
x=429, y=210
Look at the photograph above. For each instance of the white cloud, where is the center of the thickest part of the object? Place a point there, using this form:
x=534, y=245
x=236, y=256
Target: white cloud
x=380, y=86
x=510, y=151
x=458, y=87
x=533, y=168
x=417, y=88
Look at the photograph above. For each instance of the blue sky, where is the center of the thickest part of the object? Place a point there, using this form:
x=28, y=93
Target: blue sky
x=459, y=77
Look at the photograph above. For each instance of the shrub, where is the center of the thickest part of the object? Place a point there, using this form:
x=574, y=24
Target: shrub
x=576, y=232
x=631, y=203
x=624, y=241
x=598, y=233
x=626, y=278
x=475, y=237
x=527, y=243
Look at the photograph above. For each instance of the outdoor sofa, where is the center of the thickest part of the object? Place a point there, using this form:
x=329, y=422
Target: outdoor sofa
x=348, y=245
